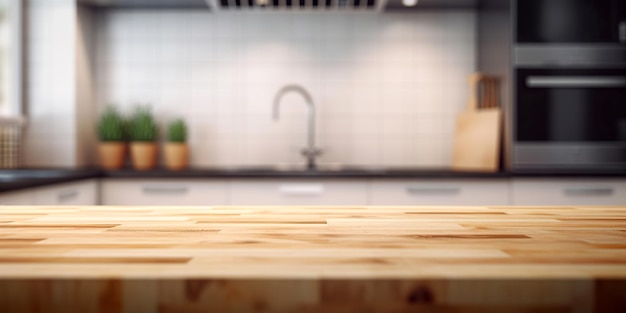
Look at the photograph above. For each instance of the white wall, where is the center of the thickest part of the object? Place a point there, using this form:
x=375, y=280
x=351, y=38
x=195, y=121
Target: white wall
x=60, y=97
x=50, y=83
x=388, y=87
x=86, y=112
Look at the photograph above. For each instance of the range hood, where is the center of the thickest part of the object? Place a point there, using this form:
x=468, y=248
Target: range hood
x=147, y=4
x=241, y=5
x=298, y=5
x=285, y=5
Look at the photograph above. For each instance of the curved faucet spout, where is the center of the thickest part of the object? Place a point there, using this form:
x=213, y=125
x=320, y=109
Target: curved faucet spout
x=311, y=152
x=292, y=88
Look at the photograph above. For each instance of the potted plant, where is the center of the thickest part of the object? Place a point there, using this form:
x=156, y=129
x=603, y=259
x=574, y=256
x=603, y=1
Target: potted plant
x=176, y=148
x=111, y=134
x=143, y=134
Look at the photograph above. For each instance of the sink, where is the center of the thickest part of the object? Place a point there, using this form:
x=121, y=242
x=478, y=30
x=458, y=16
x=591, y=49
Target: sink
x=322, y=168
x=348, y=168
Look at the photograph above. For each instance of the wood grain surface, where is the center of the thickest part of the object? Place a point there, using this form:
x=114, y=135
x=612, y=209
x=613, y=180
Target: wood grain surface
x=312, y=259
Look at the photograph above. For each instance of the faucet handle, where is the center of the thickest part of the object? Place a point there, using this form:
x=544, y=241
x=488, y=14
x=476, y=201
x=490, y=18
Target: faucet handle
x=311, y=152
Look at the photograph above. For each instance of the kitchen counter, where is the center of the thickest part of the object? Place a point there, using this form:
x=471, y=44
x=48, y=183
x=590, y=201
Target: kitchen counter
x=12, y=180
x=327, y=172
x=313, y=259
x=356, y=172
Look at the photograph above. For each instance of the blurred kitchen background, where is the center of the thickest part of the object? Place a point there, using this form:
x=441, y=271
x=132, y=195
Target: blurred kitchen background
x=387, y=86
x=401, y=102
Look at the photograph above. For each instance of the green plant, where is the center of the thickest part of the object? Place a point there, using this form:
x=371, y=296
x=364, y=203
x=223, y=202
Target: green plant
x=177, y=131
x=142, y=126
x=111, y=127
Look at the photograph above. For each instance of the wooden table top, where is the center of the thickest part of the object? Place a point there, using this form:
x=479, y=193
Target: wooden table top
x=313, y=242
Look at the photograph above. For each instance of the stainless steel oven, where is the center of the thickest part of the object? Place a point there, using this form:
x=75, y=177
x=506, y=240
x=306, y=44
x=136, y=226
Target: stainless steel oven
x=569, y=107
x=570, y=118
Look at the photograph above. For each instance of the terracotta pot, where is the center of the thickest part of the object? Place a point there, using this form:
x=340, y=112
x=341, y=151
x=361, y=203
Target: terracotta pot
x=176, y=155
x=143, y=155
x=112, y=155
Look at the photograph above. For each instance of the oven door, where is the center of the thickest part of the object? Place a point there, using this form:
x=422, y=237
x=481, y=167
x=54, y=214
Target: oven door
x=570, y=118
x=571, y=21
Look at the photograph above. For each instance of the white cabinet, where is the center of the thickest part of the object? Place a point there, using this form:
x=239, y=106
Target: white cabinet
x=577, y=191
x=16, y=198
x=327, y=191
x=311, y=192
x=75, y=193
x=160, y=192
x=439, y=192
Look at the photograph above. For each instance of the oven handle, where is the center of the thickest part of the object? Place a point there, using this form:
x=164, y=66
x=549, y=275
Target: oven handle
x=575, y=81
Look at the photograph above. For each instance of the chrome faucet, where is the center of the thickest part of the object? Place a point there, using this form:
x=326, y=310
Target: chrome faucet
x=310, y=152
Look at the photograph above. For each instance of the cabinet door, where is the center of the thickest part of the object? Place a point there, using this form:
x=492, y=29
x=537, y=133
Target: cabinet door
x=160, y=192
x=440, y=192
x=559, y=192
x=298, y=192
x=16, y=198
x=75, y=193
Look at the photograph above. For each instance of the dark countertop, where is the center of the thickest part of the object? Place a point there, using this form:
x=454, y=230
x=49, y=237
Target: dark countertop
x=270, y=173
x=12, y=180
x=562, y=173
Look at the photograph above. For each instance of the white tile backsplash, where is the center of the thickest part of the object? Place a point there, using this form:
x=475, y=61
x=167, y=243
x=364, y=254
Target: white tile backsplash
x=387, y=86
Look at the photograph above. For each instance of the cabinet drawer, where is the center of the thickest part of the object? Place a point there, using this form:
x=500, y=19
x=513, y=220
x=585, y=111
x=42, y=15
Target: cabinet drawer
x=298, y=192
x=439, y=192
x=16, y=198
x=569, y=192
x=160, y=192
x=75, y=193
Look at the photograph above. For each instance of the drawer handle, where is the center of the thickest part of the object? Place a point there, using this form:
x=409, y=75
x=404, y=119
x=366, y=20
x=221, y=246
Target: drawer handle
x=302, y=190
x=67, y=195
x=155, y=190
x=587, y=192
x=433, y=190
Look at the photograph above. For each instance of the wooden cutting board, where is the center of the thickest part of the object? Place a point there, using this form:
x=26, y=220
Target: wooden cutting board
x=478, y=129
